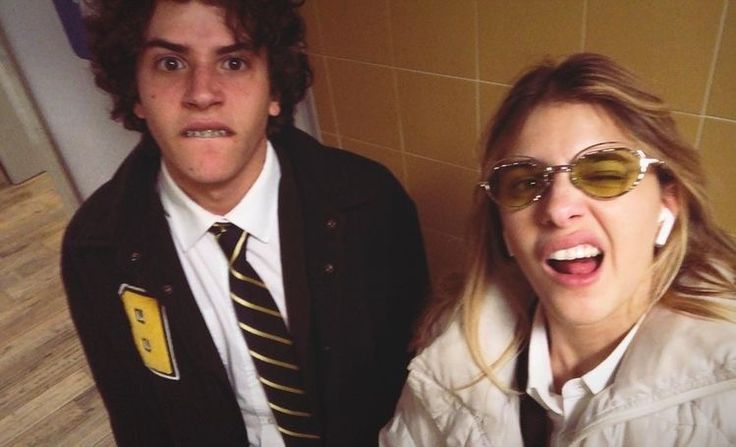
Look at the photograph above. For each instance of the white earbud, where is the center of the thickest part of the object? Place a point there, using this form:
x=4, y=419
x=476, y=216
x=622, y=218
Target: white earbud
x=508, y=247
x=666, y=222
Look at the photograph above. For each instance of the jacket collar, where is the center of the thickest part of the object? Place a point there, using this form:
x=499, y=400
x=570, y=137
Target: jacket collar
x=319, y=173
x=135, y=199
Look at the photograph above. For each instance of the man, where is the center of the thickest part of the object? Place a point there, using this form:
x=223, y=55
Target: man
x=158, y=294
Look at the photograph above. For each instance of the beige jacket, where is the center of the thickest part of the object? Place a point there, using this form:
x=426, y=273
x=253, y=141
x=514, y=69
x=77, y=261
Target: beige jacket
x=676, y=385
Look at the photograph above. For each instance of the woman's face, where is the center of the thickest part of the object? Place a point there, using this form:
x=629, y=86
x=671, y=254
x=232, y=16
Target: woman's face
x=587, y=259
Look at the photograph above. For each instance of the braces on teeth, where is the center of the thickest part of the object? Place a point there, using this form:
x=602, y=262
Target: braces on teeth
x=209, y=133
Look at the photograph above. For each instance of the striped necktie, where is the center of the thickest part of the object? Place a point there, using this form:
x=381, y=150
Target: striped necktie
x=268, y=340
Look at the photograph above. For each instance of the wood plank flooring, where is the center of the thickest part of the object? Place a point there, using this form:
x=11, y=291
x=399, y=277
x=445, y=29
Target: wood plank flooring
x=47, y=396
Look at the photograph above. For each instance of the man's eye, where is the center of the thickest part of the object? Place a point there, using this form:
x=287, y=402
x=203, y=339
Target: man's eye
x=170, y=64
x=235, y=64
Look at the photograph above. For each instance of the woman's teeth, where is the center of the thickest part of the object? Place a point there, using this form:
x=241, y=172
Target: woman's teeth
x=581, y=259
x=207, y=133
x=577, y=252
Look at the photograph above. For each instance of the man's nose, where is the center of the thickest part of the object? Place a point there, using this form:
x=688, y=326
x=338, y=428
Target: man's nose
x=203, y=88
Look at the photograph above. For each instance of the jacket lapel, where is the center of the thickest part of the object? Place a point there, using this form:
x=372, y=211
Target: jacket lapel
x=148, y=257
x=296, y=285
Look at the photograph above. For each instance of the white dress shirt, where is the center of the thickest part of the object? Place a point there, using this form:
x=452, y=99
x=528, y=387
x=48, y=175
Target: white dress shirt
x=564, y=409
x=206, y=271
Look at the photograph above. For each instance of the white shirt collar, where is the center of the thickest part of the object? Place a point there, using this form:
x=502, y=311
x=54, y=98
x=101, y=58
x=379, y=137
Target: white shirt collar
x=256, y=213
x=540, y=380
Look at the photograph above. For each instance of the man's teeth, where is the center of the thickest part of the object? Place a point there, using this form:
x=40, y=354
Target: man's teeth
x=577, y=252
x=207, y=133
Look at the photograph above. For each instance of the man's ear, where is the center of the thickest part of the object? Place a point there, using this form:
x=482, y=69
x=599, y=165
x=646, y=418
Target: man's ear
x=274, y=108
x=138, y=110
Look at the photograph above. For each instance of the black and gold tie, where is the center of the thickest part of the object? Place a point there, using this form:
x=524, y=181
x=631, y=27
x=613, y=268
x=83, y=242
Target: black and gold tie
x=268, y=340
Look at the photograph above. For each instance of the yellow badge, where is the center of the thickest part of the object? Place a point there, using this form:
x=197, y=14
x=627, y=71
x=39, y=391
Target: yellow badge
x=150, y=330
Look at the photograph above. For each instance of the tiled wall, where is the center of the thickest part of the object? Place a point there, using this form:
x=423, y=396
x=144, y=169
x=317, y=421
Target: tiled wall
x=411, y=83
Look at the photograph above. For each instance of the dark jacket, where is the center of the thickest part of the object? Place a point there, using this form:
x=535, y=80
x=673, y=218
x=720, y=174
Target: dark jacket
x=354, y=276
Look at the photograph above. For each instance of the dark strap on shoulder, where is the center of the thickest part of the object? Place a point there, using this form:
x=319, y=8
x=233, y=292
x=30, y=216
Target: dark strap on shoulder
x=532, y=417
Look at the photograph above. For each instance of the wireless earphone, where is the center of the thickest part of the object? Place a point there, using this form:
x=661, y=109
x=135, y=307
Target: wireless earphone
x=666, y=222
x=507, y=246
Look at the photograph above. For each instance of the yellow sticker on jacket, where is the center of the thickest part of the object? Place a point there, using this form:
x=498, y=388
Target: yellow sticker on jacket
x=150, y=330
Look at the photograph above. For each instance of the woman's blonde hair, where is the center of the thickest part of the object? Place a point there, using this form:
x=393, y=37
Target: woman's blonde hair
x=693, y=273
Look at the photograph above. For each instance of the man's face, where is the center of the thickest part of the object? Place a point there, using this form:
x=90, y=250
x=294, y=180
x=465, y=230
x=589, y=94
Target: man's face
x=206, y=99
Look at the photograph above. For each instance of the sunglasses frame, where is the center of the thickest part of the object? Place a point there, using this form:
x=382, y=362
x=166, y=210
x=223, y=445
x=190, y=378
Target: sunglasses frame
x=549, y=171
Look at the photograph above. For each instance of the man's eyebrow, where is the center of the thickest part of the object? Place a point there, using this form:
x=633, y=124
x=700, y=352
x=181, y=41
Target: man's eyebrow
x=161, y=43
x=238, y=46
x=179, y=48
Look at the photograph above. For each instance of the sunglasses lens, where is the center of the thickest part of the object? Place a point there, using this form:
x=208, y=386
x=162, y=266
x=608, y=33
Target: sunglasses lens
x=517, y=184
x=606, y=174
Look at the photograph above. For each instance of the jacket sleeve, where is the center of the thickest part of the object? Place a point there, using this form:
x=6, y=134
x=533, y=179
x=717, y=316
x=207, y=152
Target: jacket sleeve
x=134, y=418
x=411, y=426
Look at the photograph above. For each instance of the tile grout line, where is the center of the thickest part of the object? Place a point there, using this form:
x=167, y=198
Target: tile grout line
x=479, y=124
x=410, y=70
x=328, y=78
x=711, y=74
x=395, y=88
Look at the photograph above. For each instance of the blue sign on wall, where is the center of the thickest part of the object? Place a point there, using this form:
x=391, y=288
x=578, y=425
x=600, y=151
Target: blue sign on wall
x=70, y=13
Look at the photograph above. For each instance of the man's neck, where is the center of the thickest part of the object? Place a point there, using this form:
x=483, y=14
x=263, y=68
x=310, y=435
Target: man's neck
x=221, y=197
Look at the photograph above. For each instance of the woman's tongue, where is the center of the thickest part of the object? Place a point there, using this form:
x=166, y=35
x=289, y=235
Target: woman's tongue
x=581, y=266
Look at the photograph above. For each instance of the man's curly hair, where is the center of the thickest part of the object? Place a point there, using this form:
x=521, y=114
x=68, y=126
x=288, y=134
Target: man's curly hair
x=116, y=31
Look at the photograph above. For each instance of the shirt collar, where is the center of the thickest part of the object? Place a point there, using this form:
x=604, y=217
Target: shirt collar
x=256, y=213
x=540, y=379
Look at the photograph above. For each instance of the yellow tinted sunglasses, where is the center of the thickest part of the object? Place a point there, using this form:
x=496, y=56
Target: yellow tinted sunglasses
x=602, y=171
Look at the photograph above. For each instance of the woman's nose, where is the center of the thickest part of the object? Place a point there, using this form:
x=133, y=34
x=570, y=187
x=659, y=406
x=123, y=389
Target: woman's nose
x=562, y=202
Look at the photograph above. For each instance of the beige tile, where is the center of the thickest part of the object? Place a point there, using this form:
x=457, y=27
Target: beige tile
x=445, y=254
x=313, y=35
x=668, y=43
x=438, y=117
x=390, y=158
x=365, y=102
x=491, y=97
x=719, y=159
x=356, y=29
x=687, y=125
x=723, y=93
x=515, y=35
x=435, y=35
x=322, y=95
x=442, y=192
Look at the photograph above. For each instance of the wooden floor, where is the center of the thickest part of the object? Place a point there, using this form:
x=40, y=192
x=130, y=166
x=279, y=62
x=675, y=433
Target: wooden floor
x=47, y=397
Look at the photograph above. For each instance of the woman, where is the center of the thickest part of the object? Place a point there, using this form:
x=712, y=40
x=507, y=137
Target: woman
x=600, y=303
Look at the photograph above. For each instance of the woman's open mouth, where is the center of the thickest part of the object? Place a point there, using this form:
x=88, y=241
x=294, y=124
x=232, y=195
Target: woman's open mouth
x=581, y=259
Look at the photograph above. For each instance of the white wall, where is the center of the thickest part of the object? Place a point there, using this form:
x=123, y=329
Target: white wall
x=73, y=109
